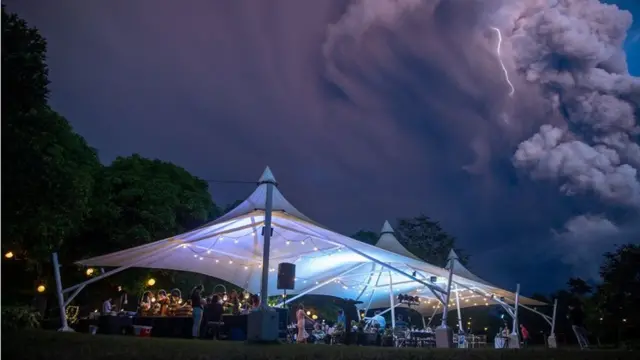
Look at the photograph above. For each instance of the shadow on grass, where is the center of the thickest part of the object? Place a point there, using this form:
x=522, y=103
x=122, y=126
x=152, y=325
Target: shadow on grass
x=48, y=345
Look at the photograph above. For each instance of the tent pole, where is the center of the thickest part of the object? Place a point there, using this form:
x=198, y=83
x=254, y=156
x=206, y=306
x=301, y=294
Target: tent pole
x=547, y=318
x=268, y=210
x=458, y=308
x=368, y=282
x=305, y=292
x=515, y=312
x=389, y=309
x=553, y=321
x=552, y=337
x=435, y=310
x=504, y=304
x=424, y=323
x=372, y=292
x=445, y=308
x=63, y=314
x=70, y=297
x=433, y=288
x=392, y=302
x=514, y=341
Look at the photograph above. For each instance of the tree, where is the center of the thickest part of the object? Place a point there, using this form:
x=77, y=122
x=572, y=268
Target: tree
x=48, y=168
x=618, y=295
x=579, y=287
x=427, y=240
x=139, y=200
x=366, y=236
x=25, y=72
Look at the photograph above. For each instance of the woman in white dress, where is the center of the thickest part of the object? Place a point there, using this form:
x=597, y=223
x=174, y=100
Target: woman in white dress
x=300, y=317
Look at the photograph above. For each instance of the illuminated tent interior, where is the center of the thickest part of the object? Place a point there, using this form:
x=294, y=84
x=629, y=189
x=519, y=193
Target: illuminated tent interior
x=327, y=263
x=476, y=292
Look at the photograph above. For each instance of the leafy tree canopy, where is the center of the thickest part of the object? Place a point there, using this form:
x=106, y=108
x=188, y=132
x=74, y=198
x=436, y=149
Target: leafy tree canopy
x=48, y=168
x=25, y=73
x=619, y=293
x=579, y=287
x=426, y=239
x=139, y=200
x=369, y=237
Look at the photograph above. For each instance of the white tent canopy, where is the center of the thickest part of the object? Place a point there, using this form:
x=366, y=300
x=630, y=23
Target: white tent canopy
x=327, y=263
x=477, y=295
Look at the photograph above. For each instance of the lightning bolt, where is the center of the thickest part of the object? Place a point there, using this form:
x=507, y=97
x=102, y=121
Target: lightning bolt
x=504, y=68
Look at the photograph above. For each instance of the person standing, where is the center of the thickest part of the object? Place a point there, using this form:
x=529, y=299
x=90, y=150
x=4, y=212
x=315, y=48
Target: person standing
x=106, y=307
x=196, y=303
x=576, y=317
x=341, y=318
x=300, y=315
x=525, y=335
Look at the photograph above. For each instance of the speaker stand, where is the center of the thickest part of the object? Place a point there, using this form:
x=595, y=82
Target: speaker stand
x=285, y=305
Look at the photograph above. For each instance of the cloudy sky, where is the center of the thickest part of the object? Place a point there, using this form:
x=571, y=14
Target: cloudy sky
x=377, y=109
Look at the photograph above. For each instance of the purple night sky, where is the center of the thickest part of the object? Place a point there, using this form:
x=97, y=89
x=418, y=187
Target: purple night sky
x=364, y=110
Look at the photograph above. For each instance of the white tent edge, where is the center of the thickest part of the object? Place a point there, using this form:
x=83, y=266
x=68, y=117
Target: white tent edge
x=268, y=179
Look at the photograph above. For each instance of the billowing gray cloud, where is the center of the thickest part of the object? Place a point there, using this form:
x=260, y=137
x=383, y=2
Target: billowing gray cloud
x=572, y=49
x=565, y=58
x=582, y=241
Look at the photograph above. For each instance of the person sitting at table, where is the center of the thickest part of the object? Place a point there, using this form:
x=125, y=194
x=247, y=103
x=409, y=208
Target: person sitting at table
x=318, y=333
x=212, y=313
x=234, y=302
x=255, y=301
x=400, y=323
x=145, y=303
x=106, y=307
x=197, y=305
x=379, y=319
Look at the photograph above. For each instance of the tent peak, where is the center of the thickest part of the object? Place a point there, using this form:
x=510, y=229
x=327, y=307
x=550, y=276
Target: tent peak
x=386, y=228
x=267, y=177
x=452, y=255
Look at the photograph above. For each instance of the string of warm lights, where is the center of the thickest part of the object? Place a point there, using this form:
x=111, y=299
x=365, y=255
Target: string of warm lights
x=203, y=253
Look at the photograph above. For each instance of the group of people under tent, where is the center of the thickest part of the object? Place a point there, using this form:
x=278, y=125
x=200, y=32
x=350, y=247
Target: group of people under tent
x=210, y=308
x=203, y=309
x=321, y=331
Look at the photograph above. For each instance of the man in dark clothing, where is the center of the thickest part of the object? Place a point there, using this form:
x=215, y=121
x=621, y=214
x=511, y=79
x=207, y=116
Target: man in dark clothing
x=576, y=317
x=212, y=313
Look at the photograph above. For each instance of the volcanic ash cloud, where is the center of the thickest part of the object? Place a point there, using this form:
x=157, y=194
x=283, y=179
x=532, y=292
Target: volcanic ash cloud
x=573, y=50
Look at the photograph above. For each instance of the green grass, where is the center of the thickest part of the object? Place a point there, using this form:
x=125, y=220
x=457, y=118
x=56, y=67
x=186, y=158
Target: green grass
x=48, y=345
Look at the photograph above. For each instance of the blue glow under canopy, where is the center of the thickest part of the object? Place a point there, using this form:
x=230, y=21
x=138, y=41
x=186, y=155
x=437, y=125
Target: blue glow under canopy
x=230, y=248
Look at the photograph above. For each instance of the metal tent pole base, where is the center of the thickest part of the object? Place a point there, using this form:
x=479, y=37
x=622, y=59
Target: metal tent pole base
x=514, y=341
x=262, y=325
x=551, y=342
x=66, y=329
x=444, y=337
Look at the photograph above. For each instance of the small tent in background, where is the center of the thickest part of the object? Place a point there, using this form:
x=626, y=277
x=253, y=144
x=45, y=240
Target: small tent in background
x=466, y=294
x=388, y=241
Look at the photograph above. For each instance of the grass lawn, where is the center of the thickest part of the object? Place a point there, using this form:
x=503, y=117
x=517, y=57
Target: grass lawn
x=49, y=345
